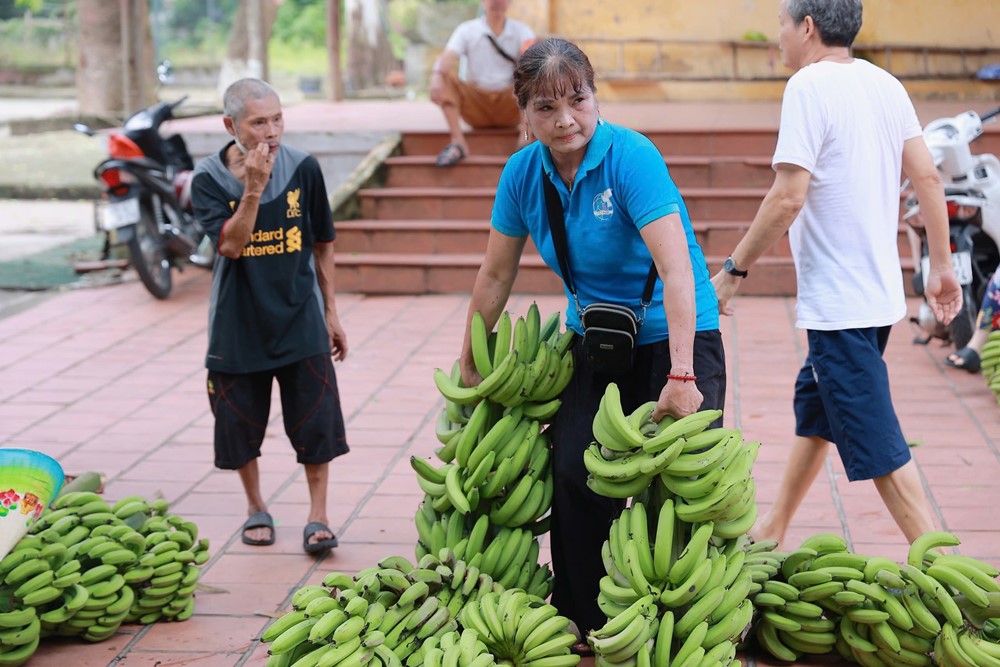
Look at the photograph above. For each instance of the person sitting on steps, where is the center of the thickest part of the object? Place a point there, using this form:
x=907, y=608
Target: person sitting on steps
x=485, y=99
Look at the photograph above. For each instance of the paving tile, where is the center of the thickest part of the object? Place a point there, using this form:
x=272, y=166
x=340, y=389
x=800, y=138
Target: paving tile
x=203, y=633
x=146, y=421
x=139, y=658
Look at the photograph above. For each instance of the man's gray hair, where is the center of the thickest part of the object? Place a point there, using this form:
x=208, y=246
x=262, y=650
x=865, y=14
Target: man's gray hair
x=234, y=100
x=838, y=21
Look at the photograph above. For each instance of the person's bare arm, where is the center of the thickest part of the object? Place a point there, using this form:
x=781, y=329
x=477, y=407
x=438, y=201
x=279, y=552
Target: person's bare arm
x=490, y=292
x=943, y=293
x=446, y=62
x=236, y=232
x=325, y=265
x=775, y=215
x=667, y=244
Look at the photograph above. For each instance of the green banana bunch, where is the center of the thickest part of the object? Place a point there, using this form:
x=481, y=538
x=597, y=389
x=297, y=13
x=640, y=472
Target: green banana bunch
x=524, y=362
x=87, y=565
x=463, y=649
x=520, y=628
x=990, y=363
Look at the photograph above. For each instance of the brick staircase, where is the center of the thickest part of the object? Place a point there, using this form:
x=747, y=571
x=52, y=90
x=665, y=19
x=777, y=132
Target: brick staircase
x=425, y=229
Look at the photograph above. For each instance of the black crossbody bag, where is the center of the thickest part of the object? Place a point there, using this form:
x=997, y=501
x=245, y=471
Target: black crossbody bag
x=609, y=330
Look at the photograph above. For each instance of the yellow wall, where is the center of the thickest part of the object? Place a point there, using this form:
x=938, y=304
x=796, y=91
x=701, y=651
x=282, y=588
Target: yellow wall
x=923, y=22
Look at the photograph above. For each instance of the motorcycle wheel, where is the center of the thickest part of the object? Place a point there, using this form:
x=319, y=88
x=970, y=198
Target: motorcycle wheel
x=961, y=328
x=149, y=257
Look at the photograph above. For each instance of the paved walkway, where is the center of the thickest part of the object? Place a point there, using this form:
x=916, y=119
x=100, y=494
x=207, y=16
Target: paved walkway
x=112, y=380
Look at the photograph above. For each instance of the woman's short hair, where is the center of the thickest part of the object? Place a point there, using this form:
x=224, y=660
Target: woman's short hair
x=548, y=67
x=234, y=100
x=838, y=21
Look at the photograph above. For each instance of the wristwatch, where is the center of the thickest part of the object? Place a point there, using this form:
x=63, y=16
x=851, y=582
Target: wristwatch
x=730, y=267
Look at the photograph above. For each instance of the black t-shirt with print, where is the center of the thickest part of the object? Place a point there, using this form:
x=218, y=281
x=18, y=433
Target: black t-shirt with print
x=266, y=309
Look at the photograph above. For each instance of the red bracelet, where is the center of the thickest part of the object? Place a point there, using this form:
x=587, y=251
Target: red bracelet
x=683, y=378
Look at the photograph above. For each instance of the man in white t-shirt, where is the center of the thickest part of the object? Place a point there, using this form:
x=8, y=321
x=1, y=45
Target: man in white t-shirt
x=491, y=45
x=848, y=129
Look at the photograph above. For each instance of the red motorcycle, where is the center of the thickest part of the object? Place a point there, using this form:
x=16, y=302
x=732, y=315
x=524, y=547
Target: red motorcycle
x=146, y=199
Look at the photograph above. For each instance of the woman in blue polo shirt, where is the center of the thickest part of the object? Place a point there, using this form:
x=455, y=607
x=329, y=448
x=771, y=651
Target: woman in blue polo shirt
x=622, y=213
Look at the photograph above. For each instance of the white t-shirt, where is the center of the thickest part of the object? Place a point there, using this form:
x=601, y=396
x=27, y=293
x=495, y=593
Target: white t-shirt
x=846, y=124
x=486, y=68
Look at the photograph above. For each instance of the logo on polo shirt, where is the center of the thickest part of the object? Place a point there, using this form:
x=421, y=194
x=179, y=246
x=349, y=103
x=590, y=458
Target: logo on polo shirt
x=603, y=208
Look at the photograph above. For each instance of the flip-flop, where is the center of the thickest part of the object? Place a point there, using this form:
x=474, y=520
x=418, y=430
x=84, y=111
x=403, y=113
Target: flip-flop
x=311, y=529
x=258, y=520
x=451, y=154
x=970, y=361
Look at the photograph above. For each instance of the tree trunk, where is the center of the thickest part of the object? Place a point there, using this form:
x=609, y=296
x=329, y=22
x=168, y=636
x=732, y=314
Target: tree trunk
x=114, y=76
x=369, y=56
x=247, y=52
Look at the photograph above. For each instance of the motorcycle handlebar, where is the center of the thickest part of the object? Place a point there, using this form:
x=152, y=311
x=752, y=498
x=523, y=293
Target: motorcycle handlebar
x=995, y=112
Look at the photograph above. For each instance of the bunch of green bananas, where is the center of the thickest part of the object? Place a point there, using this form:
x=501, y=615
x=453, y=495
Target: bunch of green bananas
x=85, y=565
x=990, y=363
x=520, y=629
x=166, y=576
x=463, y=649
x=385, y=613
x=508, y=555
x=874, y=611
x=498, y=464
x=527, y=362
x=673, y=589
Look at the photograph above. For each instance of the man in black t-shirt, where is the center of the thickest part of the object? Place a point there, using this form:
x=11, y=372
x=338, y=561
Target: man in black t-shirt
x=272, y=314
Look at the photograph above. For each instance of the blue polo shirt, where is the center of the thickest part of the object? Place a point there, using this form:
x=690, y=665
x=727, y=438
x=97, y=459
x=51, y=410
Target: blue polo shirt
x=621, y=186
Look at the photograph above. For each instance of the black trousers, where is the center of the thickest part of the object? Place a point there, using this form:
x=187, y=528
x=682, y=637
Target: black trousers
x=581, y=519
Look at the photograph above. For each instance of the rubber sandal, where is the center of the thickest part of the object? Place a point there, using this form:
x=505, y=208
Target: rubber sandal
x=451, y=154
x=258, y=520
x=968, y=357
x=311, y=529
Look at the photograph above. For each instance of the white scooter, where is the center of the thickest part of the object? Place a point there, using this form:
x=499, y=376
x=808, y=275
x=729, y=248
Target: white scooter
x=972, y=192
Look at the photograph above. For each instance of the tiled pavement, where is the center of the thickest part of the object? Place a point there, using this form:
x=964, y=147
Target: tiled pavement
x=111, y=379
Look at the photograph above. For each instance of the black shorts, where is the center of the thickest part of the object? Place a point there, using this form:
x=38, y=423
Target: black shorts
x=310, y=405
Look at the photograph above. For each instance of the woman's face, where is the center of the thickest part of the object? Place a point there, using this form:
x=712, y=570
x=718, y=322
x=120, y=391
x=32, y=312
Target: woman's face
x=563, y=124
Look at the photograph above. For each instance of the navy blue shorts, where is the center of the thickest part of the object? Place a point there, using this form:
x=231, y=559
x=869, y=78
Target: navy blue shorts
x=842, y=395
x=310, y=405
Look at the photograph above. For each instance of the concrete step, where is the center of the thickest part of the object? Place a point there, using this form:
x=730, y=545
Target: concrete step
x=389, y=273
x=481, y=142
x=399, y=273
x=680, y=141
x=728, y=171
x=441, y=237
x=431, y=237
x=444, y=203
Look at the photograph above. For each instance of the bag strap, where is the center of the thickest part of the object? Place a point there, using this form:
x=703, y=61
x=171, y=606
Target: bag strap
x=500, y=50
x=557, y=225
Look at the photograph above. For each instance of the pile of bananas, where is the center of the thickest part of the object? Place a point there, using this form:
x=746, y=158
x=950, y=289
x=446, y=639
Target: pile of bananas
x=935, y=608
x=521, y=629
x=463, y=649
x=677, y=592
x=387, y=613
x=509, y=556
x=990, y=360
x=680, y=568
x=527, y=362
x=84, y=568
x=499, y=464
